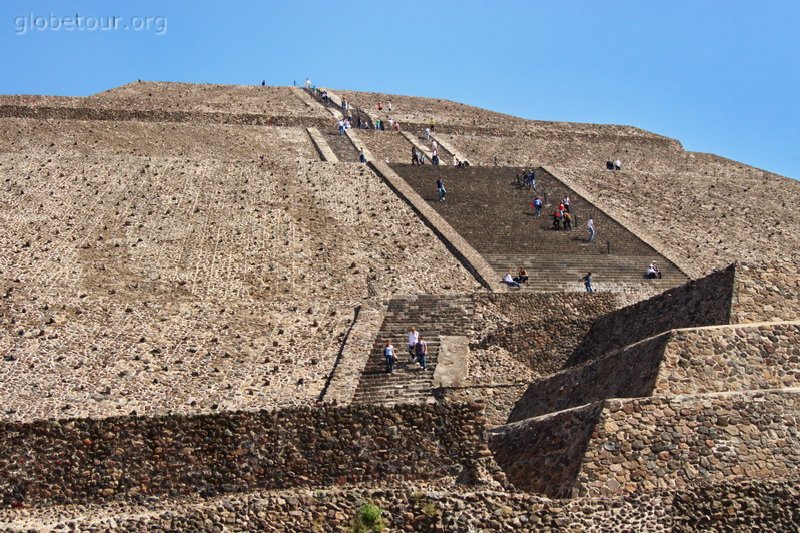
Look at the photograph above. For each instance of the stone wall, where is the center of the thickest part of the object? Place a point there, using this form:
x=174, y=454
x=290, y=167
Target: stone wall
x=159, y=115
x=497, y=400
x=539, y=330
x=702, y=302
x=667, y=443
x=543, y=455
x=693, y=361
x=730, y=359
x=629, y=373
x=89, y=460
x=766, y=292
x=740, y=505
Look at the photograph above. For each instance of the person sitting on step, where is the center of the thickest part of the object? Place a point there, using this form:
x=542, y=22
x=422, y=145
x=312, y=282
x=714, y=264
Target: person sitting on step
x=522, y=276
x=652, y=271
x=510, y=281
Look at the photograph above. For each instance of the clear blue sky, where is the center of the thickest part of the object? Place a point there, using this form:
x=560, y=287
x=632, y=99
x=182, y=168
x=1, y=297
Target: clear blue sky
x=722, y=76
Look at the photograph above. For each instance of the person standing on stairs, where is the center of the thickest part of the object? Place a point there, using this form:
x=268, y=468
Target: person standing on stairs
x=391, y=358
x=421, y=351
x=587, y=281
x=590, y=227
x=537, y=206
x=413, y=337
x=440, y=189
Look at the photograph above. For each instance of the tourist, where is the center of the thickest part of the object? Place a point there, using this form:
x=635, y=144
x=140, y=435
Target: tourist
x=427, y=134
x=537, y=206
x=414, y=156
x=361, y=157
x=522, y=276
x=263, y=83
x=340, y=124
x=380, y=106
x=565, y=202
x=413, y=336
x=421, y=351
x=509, y=280
x=434, y=145
x=389, y=105
x=396, y=126
x=308, y=83
x=652, y=271
x=433, y=125
x=435, y=157
x=567, y=220
x=440, y=188
x=558, y=217
x=609, y=165
x=391, y=358
x=587, y=282
x=617, y=164
x=590, y=227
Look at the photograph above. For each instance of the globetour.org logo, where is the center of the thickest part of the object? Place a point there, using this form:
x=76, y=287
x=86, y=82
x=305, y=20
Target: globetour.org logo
x=33, y=22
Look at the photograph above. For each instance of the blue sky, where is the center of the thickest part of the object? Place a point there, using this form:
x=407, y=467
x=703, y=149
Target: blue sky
x=722, y=76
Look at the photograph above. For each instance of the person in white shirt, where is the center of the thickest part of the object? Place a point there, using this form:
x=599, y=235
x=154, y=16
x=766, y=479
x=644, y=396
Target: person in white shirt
x=308, y=83
x=508, y=279
x=590, y=226
x=434, y=145
x=652, y=271
x=413, y=337
x=617, y=165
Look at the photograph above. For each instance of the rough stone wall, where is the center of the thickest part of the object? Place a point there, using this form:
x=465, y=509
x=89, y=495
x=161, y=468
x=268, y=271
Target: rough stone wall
x=741, y=505
x=704, y=214
x=695, y=361
x=497, y=400
x=629, y=373
x=667, y=443
x=745, y=505
x=161, y=285
x=206, y=98
x=543, y=455
x=539, y=330
x=703, y=302
x=124, y=114
x=88, y=460
x=186, y=141
x=568, y=146
x=730, y=359
x=766, y=292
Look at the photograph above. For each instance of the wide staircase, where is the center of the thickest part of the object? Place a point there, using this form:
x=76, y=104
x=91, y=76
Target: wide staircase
x=432, y=316
x=492, y=212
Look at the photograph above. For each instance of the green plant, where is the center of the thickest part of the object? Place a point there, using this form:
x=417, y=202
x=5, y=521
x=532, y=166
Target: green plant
x=430, y=509
x=368, y=519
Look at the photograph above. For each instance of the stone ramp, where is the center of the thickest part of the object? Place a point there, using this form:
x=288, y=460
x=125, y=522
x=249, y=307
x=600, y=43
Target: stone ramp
x=433, y=317
x=688, y=361
x=493, y=214
x=659, y=443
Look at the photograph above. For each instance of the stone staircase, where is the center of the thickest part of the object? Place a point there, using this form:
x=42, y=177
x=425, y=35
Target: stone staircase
x=493, y=214
x=432, y=316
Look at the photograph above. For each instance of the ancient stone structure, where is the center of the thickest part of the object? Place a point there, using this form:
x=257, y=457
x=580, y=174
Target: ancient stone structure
x=196, y=282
